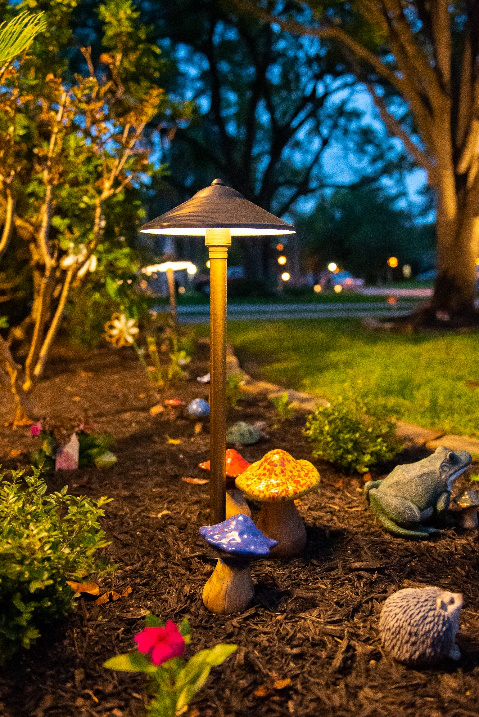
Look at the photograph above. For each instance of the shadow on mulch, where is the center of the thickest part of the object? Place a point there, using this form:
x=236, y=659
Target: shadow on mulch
x=313, y=619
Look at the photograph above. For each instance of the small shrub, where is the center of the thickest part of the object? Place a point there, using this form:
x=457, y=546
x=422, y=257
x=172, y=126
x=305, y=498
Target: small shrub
x=94, y=448
x=284, y=409
x=45, y=539
x=233, y=389
x=352, y=434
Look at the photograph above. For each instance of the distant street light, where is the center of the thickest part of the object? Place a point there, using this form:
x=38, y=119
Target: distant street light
x=217, y=213
x=280, y=247
x=286, y=276
x=332, y=266
x=317, y=288
x=282, y=260
x=393, y=262
x=338, y=288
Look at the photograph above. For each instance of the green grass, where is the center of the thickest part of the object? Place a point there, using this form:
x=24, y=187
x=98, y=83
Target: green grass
x=422, y=378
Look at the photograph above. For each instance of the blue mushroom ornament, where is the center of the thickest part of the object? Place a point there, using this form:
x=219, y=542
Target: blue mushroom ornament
x=237, y=542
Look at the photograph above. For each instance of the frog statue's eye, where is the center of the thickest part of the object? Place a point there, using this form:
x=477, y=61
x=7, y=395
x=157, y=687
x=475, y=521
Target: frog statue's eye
x=451, y=456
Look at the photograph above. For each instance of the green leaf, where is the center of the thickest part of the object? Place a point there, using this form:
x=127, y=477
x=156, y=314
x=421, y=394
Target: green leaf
x=195, y=673
x=17, y=35
x=131, y=662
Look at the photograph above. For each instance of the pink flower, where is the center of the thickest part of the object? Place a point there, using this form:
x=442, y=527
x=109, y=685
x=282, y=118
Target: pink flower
x=163, y=643
x=35, y=429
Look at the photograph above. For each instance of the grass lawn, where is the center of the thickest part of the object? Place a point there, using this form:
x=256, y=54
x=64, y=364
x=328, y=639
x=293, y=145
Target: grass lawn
x=428, y=379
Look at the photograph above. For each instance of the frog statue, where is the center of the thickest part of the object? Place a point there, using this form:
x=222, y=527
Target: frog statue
x=414, y=493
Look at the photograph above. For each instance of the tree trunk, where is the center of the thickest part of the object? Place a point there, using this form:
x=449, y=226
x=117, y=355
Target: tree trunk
x=457, y=250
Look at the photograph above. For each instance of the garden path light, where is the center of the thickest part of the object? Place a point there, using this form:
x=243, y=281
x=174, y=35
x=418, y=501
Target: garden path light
x=217, y=213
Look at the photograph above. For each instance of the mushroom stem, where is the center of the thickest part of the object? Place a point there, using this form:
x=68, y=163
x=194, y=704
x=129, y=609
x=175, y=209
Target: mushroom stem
x=282, y=522
x=229, y=589
x=236, y=503
x=468, y=518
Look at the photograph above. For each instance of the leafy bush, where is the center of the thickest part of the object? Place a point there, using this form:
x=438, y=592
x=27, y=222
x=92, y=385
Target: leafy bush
x=45, y=539
x=352, y=434
x=284, y=409
x=94, y=448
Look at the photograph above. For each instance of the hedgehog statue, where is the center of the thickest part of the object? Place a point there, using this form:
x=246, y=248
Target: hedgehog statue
x=419, y=626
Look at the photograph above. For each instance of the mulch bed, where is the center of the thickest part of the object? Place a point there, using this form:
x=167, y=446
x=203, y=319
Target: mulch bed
x=313, y=620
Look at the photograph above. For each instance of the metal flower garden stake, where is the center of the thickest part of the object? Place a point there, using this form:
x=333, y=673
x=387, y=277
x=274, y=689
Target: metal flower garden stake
x=218, y=212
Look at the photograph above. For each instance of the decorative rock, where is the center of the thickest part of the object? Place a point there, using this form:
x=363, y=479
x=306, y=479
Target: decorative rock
x=238, y=541
x=243, y=434
x=418, y=626
x=277, y=480
x=198, y=408
x=68, y=454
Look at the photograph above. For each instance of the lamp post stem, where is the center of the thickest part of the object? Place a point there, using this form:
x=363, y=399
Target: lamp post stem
x=218, y=242
x=170, y=275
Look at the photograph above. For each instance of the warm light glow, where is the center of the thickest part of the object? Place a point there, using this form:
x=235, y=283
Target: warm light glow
x=286, y=276
x=181, y=290
x=393, y=262
x=477, y=261
x=175, y=265
x=201, y=231
x=208, y=264
x=282, y=260
x=392, y=300
x=332, y=266
x=317, y=288
x=192, y=269
x=407, y=271
x=338, y=288
x=280, y=247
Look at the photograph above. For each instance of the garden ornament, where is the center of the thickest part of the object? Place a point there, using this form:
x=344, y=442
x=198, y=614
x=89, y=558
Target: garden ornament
x=244, y=434
x=68, y=454
x=413, y=494
x=235, y=463
x=174, y=403
x=276, y=481
x=238, y=542
x=236, y=503
x=204, y=379
x=198, y=408
x=418, y=626
x=466, y=506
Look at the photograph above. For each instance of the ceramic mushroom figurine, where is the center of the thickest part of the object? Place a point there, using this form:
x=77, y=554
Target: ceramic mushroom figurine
x=276, y=481
x=198, y=408
x=466, y=507
x=238, y=542
x=235, y=465
x=418, y=626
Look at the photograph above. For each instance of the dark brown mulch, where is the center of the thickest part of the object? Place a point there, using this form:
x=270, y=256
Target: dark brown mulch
x=313, y=620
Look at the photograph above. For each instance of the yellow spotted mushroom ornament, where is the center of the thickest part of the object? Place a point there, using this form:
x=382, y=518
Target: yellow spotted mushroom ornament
x=276, y=481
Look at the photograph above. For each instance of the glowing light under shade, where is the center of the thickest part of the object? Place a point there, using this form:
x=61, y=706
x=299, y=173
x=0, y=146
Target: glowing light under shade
x=286, y=276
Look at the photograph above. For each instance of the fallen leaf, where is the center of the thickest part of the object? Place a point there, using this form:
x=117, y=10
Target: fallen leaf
x=14, y=453
x=155, y=410
x=76, y=398
x=112, y=596
x=174, y=402
x=195, y=481
x=84, y=588
x=262, y=691
x=265, y=690
x=198, y=427
x=281, y=684
x=173, y=441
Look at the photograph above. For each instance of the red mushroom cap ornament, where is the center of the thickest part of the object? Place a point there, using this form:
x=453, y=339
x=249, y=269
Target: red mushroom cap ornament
x=276, y=481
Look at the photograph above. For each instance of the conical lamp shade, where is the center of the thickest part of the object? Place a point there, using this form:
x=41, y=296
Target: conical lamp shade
x=217, y=207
